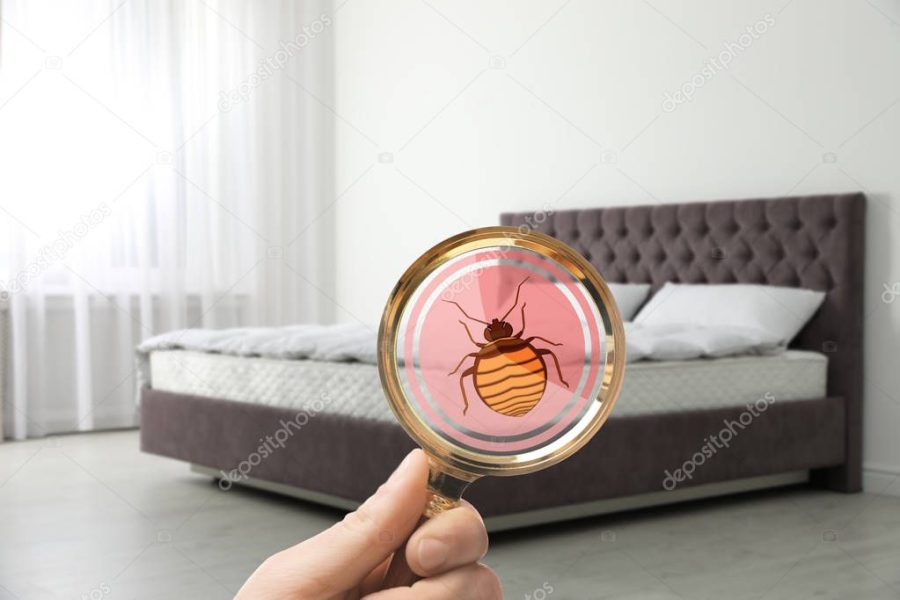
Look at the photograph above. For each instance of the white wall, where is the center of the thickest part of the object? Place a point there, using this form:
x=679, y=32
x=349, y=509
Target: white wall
x=451, y=111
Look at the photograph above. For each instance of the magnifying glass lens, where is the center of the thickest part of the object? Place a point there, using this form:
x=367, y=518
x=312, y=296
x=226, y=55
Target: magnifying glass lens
x=500, y=352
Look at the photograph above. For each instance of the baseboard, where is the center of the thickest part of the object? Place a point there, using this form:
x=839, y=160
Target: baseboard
x=281, y=488
x=561, y=513
x=881, y=480
x=648, y=500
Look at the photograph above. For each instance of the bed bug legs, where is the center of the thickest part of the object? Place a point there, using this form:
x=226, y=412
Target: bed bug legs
x=509, y=373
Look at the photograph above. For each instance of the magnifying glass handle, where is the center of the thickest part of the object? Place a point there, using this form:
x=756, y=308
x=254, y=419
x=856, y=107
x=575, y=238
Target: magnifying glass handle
x=446, y=492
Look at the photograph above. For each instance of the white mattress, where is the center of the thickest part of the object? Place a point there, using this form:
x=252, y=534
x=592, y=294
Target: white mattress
x=355, y=389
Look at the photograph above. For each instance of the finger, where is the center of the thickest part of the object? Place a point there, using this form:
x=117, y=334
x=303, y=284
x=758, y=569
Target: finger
x=340, y=557
x=373, y=581
x=472, y=582
x=449, y=540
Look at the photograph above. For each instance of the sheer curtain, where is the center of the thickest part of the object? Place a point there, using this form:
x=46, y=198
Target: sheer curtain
x=163, y=165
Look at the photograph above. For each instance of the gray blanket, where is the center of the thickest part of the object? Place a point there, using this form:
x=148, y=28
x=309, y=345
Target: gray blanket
x=342, y=343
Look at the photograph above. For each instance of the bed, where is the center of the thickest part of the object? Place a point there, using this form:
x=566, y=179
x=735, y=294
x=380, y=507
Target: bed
x=214, y=411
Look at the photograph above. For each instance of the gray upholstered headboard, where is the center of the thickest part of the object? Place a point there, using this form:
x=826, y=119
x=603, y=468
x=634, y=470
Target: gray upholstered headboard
x=815, y=242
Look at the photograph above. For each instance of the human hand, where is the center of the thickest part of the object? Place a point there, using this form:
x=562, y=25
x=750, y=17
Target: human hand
x=348, y=560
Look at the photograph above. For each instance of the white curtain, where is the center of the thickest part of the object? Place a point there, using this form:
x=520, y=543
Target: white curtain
x=163, y=165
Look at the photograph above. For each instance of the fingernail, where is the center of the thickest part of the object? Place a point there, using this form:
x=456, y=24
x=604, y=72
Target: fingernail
x=432, y=553
x=400, y=468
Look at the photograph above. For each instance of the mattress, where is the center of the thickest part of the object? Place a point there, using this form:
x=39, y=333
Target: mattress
x=354, y=389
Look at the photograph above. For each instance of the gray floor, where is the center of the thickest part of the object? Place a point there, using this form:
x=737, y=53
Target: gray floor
x=88, y=516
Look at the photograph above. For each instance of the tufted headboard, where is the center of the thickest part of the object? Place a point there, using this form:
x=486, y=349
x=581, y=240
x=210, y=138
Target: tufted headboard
x=815, y=242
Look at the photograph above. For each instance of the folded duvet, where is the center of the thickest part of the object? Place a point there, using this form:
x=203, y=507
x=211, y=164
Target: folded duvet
x=357, y=343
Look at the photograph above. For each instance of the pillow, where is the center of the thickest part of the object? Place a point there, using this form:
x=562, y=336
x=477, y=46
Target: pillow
x=629, y=297
x=779, y=311
x=685, y=342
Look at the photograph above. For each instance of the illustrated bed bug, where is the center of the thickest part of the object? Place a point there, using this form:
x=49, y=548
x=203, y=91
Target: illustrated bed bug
x=510, y=375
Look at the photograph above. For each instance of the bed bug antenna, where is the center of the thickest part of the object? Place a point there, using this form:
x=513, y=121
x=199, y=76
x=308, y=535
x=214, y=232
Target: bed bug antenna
x=462, y=310
x=518, y=289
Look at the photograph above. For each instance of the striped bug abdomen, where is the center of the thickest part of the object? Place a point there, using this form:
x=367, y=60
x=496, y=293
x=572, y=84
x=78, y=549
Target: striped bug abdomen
x=510, y=377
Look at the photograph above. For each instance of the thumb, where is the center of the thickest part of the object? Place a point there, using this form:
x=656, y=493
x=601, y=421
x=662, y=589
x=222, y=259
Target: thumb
x=340, y=557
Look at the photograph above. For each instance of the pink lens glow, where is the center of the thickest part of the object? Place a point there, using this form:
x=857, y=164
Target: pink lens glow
x=517, y=398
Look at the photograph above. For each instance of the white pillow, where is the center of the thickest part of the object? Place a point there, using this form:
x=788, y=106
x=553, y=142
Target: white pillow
x=685, y=342
x=629, y=297
x=779, y=311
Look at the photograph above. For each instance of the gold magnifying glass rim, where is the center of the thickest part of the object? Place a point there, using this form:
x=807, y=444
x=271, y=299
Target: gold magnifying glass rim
x=461, y=461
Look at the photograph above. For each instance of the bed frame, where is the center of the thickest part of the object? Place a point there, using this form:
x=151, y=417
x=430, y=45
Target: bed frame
x=813, y=242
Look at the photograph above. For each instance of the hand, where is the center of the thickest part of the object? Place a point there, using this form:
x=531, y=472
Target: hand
x=348, y=560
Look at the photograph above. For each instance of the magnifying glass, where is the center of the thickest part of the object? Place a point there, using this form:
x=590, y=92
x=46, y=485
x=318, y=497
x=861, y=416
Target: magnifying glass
x=501, y=352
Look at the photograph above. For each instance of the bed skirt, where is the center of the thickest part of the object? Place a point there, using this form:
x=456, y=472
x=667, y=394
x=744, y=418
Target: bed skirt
x=347, y=458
